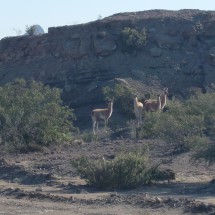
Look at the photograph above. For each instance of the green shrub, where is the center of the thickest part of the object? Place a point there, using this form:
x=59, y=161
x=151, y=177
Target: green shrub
x=30, y=30
x=204, y=104
x=149, y=126
x=180, y=125
x=104, y=134
x=32, y=114
x=123, y=98
x=126, y=170
x=205, y=152
x=133, y=39
x=86, y=136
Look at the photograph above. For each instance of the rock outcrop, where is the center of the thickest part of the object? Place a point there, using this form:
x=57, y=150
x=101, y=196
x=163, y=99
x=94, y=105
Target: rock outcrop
x=81, y=59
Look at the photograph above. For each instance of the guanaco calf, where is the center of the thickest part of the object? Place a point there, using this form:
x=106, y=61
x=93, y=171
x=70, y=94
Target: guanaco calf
x=101, y=114
x=153, y=105
x=138, y=110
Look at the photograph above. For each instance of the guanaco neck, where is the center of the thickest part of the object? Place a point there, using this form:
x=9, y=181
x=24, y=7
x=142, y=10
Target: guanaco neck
x=135, y=102
x=164, y=97
x=110, y=109
x=159, y=101
x=163, y=100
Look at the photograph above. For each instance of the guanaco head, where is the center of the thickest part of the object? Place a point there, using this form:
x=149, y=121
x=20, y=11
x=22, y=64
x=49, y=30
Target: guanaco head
x=166, y=91
x=135, y=95
x=110, y=103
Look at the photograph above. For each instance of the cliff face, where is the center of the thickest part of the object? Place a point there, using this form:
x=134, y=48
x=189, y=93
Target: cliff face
x=81, y=59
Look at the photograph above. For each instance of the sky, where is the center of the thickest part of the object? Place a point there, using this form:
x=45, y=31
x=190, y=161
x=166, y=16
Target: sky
x=15, y=15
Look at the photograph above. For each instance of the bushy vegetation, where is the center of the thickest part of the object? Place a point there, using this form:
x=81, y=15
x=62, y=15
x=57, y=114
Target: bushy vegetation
x=30, y=30
x=132, y=39
x=32, y=115
x=203, y=104
x=188, y=124
x=123, y=98
x=126, y=170
x=184, y=124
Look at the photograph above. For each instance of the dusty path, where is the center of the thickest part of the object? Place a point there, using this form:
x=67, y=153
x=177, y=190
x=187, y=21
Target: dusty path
x=45, y=183
x=23, y=207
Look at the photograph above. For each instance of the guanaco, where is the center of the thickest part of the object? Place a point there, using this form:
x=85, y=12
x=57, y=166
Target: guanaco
x=153, y=105
x=101, y=114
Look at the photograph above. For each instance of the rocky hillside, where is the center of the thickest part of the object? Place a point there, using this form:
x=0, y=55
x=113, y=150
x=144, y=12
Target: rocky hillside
x=81, y=59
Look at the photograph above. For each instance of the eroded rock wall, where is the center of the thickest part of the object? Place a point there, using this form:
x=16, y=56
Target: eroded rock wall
x=81, y=59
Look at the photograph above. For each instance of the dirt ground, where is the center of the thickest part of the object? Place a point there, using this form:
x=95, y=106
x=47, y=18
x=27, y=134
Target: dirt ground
x=46, y=183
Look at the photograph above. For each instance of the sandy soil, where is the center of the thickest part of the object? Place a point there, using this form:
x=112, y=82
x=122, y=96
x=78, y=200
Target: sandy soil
x=46, y=183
